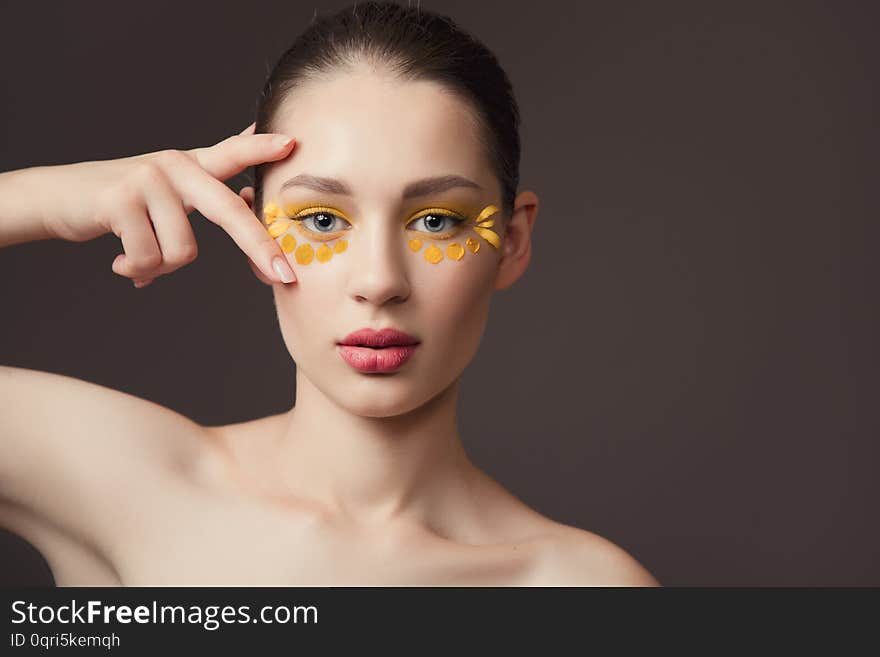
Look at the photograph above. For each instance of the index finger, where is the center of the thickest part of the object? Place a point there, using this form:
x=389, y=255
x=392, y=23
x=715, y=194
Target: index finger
x=236, y=153
x=222, y=206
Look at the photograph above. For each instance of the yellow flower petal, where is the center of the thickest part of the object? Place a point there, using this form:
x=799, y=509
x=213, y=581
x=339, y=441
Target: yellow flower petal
x=288, y=243
x=455, y=251
x=486, y=212
x=277, y=228
x=433, y=254
x=488, y=235
x=324, y=253
x=304, y=254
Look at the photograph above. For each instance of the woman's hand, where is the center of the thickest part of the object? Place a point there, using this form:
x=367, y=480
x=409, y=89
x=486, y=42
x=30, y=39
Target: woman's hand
x=145, y=199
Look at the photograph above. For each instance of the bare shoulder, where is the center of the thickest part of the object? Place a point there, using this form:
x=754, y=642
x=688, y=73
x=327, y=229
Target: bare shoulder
x=562, y=555
x=571, y=556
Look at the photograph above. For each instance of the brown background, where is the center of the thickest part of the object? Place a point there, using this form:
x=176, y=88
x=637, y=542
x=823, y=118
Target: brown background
x=705, y=385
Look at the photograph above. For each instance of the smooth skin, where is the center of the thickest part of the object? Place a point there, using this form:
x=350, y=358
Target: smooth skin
x=364, y=481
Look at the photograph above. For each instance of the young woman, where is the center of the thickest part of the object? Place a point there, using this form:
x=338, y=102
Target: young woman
x=384, y=230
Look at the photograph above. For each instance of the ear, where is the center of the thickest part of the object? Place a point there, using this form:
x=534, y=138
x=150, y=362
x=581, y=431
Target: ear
x=247, y=194
x=516, y=247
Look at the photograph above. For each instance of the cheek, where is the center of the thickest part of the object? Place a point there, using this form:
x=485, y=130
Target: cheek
x=306, y=309
x=453, y=290
x=318, y=266
x=457, y=274
x=449, y=271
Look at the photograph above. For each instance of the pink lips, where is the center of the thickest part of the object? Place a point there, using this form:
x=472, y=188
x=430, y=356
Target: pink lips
x=368, y=350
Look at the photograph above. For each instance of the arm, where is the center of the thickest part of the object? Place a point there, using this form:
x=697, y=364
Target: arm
x=72, y=563
x=86, y=458
x=92, y=461
x=21, y=201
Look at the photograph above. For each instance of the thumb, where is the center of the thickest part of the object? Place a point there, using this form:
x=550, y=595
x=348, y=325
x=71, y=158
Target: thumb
x=247, y=194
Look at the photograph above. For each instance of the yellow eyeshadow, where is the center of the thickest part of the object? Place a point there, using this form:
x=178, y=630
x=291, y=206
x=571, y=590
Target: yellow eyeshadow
x=294, y=211
x=443, y=212
x=415, y=244
x=340, y=246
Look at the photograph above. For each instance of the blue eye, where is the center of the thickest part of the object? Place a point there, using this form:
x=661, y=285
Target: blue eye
x=323, y=222
x=437, y=223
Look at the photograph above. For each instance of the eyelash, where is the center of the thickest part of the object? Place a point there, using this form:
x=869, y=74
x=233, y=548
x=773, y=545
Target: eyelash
x=331, y=234
x=438, y=212
x=322, y=234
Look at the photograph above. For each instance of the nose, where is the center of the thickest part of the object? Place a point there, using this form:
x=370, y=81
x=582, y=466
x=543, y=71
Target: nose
x=379, y=275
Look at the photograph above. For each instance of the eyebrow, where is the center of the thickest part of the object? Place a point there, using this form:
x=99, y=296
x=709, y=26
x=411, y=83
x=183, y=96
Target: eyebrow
x=412, y=190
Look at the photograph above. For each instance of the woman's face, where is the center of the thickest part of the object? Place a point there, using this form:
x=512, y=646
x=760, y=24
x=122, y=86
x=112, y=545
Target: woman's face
x=365, y=253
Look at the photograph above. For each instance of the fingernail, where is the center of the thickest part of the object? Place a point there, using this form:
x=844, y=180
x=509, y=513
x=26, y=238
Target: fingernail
x=285, y=273
x=282, y=141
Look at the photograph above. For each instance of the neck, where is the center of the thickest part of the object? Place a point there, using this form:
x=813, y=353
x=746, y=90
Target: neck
x=405, y=467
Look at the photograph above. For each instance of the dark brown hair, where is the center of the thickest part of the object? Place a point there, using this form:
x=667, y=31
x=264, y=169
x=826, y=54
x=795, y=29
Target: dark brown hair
x=413, y=44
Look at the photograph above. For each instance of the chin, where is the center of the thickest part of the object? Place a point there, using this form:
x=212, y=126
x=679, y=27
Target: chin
x=383, y=395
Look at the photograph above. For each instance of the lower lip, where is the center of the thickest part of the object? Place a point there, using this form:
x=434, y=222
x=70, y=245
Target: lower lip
x=386, y=359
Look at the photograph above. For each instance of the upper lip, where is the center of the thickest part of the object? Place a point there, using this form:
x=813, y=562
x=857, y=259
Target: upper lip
x=368, y=337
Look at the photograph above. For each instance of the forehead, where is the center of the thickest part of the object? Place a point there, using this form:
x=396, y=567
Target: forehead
x=378, y=133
